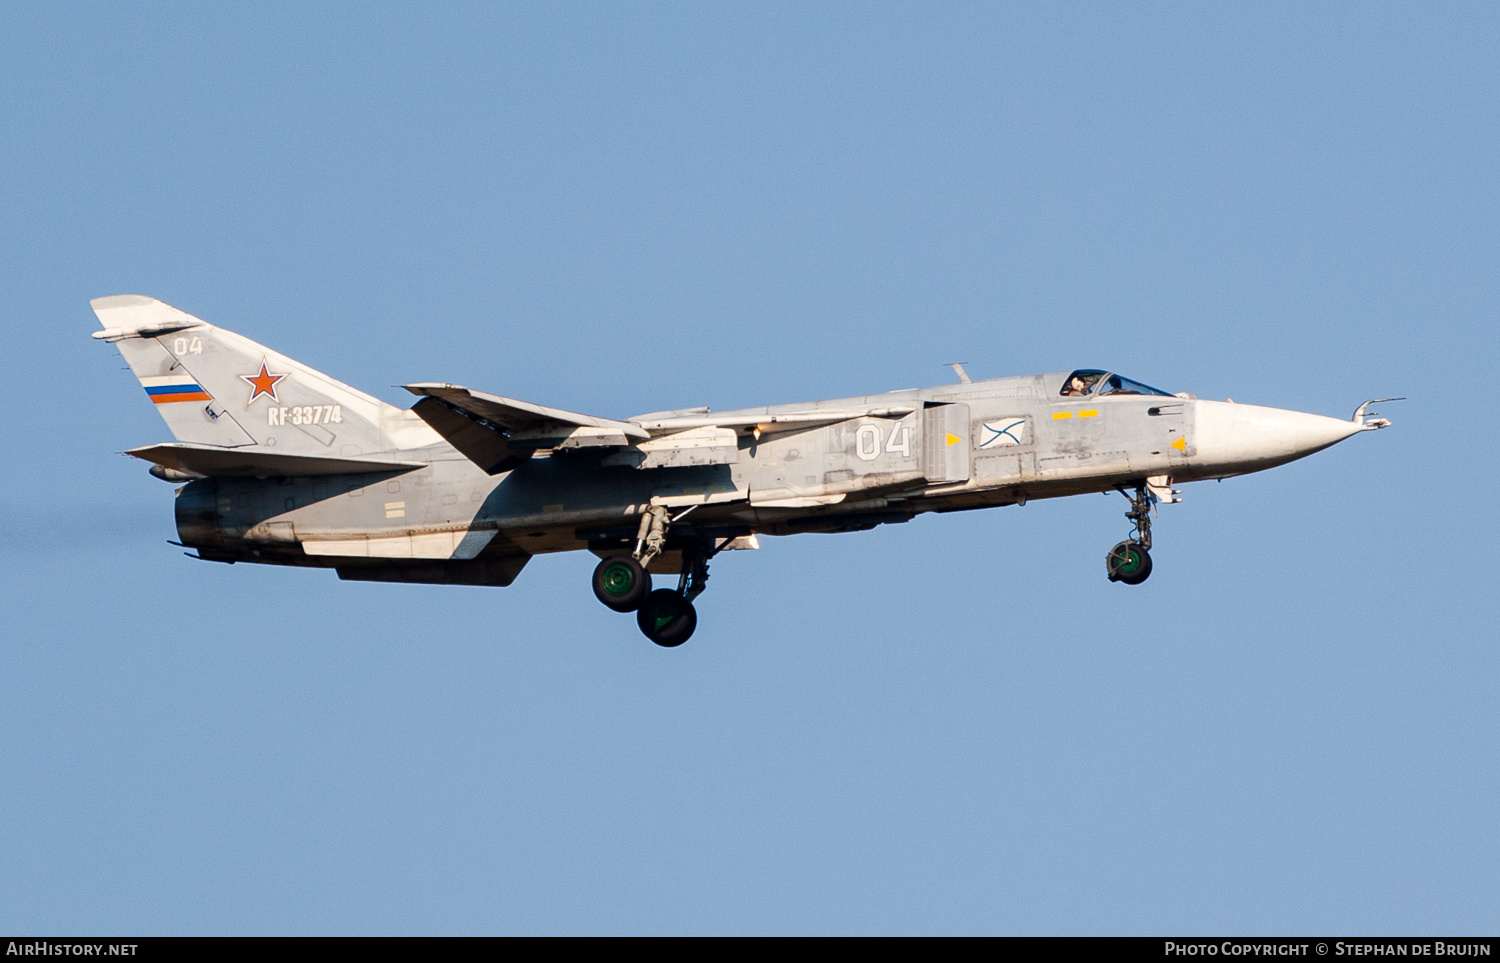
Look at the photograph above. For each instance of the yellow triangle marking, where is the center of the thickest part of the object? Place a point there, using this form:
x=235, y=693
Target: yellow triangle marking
x=953, y=439
x=1180, y=444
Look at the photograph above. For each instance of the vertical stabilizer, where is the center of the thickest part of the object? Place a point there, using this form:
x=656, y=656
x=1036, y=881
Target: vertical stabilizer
x=215, y=387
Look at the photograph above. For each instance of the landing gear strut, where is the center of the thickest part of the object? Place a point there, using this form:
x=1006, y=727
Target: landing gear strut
x=622, y=582
x=667, y=617
x=1130, y=561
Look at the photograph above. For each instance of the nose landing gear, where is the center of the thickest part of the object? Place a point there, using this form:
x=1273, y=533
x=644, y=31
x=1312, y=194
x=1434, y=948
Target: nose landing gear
x=1130, y=561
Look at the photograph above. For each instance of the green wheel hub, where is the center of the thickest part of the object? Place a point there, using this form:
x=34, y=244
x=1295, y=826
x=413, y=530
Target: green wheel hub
x=618, y=580
x=1130, y=561
x=621, y=583
x=661, y=615
x=666, y=618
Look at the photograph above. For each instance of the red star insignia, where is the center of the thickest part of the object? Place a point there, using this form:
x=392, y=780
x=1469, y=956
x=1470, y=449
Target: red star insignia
x=263, y=383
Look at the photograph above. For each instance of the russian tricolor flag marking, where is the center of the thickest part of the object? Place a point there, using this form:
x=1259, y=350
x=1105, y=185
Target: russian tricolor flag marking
x=165, y=390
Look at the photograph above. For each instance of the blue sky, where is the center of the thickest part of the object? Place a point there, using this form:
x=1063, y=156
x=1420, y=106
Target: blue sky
x=955, y=725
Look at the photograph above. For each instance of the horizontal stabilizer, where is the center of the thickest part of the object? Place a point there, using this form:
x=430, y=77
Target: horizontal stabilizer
x=258, y=463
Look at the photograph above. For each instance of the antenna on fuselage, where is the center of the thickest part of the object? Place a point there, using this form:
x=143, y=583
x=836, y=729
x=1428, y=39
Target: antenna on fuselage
x=958, y=369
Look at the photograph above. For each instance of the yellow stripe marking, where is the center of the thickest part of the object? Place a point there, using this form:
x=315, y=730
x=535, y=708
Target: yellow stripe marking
x=1087, y=414
x=1060, y=415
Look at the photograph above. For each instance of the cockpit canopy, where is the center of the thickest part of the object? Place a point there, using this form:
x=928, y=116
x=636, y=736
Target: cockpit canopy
x=1087, y=382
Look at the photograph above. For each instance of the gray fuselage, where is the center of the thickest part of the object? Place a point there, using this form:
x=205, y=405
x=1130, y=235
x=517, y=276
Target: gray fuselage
x=947, y=448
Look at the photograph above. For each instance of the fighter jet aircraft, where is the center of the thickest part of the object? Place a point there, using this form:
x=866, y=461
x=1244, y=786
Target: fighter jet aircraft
x=286, y=466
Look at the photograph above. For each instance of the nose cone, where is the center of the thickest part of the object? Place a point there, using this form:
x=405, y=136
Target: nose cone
x=1245, y=438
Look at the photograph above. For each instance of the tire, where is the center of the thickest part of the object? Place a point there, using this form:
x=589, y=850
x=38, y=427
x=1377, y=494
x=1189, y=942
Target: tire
x=1128, y=562
x=667, y=618
x=621, y=583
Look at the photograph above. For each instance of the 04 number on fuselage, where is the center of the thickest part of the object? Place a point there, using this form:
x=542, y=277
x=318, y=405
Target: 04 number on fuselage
x=867, y=442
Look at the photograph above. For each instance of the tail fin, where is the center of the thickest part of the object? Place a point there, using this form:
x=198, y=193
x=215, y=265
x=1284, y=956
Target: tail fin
x=215, y=387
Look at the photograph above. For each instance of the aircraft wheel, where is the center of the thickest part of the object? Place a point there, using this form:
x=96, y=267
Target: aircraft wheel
x=621, y=583
x=1128, y=562
x=667, y=618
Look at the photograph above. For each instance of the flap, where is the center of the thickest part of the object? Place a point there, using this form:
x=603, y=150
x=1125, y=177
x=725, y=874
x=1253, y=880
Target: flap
x=484, y=446
x=520, y=418
x=259, y=463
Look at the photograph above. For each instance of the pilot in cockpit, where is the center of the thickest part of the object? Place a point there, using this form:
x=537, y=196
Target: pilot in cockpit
x=1081, y=382
x=1086, y=381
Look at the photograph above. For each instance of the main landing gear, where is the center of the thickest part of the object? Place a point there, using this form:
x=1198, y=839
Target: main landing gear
x=621, y=582
x=1130, y=561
